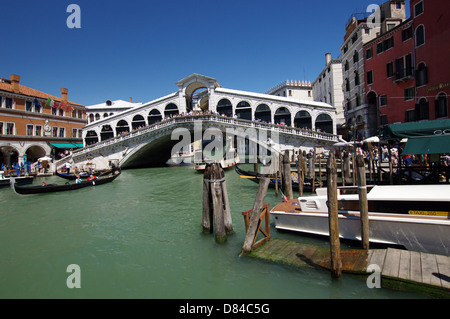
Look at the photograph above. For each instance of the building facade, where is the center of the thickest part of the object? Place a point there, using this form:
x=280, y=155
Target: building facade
x=34, y=124
x=108, y=108
x=301, y=90
x=408, y=66
x=328, y=87
x=359, y=31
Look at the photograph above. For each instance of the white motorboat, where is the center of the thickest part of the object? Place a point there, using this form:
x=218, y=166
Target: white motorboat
x=416, y=217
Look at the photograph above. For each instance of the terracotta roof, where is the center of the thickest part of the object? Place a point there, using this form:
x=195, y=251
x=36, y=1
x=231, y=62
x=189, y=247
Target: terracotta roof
x=6, y=85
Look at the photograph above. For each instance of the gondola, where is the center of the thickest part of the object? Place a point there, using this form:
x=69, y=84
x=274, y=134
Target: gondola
x=51, y=188
x=255, y=177
x=83, y=175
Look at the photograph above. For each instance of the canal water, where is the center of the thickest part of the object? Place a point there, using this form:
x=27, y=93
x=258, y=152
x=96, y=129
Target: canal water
x=141, y=237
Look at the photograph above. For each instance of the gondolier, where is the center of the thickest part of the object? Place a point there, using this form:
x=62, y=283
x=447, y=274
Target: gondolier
x=68, y=167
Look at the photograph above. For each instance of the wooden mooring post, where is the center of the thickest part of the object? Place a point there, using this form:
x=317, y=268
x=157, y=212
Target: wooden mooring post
x=300, y=172
x=216, y=207
x=363, y=205
x=287, y=175
x=254, y=221
x=333, y=218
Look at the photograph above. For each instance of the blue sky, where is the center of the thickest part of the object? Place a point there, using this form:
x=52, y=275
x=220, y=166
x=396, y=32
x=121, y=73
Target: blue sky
x=140, y=49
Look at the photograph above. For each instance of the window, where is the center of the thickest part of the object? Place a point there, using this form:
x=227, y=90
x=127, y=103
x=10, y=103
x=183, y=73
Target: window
x=10, y=128
x=55, y=131
x=422, y=110
x=355, y=57
x=369, y=53
x=418, y=9
x=403, y=67
x=28, y=106
x=290, y=92
x=61, y=132
x=1, y=128
x=1, y=105
x=346, y=66
x=37, y=108
x=409, y=93
x=390, y=26
x=420, y=35
x=441, y=105
x=390, y=69
x=347, y=85
x=357, y=78
x=383, y=100
x=398, y=5
x=379, y=47
x=53, y=111
x=409, y=116
x=369, y=77
x=388, y=43
x=407, y=34
x=383, y=120
x=38, y=130
x=349, y=105
x=74, y=132
x=421, y=75
x=61, y=112
x=30, y=129
x=9, y=103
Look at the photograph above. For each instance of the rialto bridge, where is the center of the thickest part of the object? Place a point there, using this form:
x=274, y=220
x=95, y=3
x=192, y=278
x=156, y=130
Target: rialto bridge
x=143, y=136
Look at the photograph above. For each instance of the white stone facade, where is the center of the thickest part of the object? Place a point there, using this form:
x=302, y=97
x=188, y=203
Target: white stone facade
x=328, y=87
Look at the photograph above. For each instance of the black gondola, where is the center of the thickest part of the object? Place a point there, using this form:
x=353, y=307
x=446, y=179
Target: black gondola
x=51, y=188
x=254, y=177
x=83, y=175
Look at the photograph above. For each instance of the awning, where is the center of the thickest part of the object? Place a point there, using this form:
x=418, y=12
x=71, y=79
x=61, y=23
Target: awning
x=67, y=145
x=437, y=144
x=413, y=129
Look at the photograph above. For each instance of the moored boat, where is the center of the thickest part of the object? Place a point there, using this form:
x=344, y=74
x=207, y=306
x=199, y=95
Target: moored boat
x=255, y=177
x=413, y=216
x=21, y=180
x=83, y=175
x=51, y=188
x=228, y=161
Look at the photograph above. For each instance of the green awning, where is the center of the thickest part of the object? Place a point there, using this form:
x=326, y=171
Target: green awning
x=67, y=145
x=437, y=144
x=413, y=129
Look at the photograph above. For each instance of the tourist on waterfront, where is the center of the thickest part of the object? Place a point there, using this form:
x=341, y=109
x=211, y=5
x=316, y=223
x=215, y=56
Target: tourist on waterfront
x=78, y=180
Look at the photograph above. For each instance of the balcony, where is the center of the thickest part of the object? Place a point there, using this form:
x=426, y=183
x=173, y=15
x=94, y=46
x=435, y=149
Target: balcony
x=404, y=74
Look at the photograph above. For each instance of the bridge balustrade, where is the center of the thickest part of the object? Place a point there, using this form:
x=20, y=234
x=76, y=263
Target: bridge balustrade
x=212, y=118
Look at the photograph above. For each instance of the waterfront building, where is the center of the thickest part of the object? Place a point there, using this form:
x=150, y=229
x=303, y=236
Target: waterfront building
x=34, y=124
x=328, y=87
x=359, y=31
x=108, y=108
x=407, y=66
x=301, y=90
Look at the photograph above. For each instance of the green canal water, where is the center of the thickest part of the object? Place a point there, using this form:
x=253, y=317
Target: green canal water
x=141, y=237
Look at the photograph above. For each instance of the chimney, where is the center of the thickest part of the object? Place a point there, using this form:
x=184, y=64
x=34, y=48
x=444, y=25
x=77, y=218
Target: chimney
x=64, y=94
x=131, y=99
x=327, y=58
x=15, y=79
